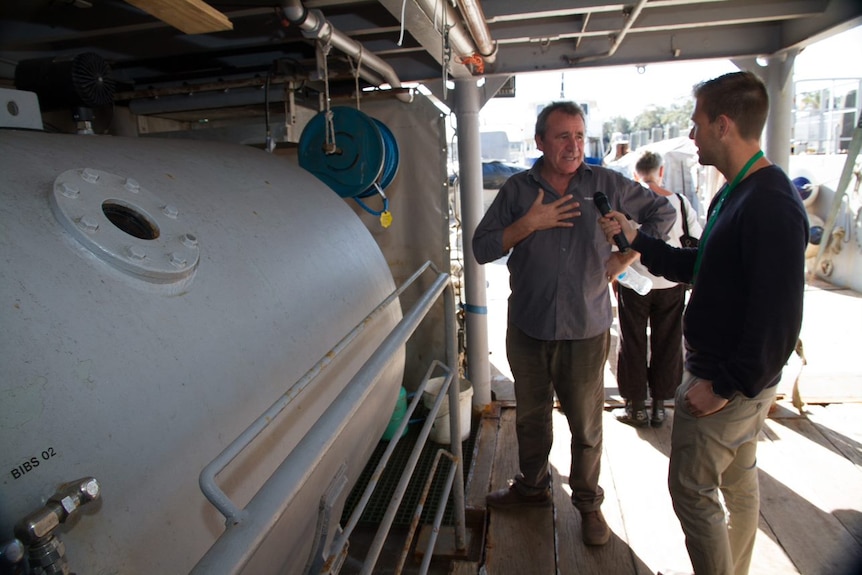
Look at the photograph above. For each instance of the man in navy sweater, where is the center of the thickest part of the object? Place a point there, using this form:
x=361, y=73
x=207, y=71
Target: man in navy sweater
x=741, y=324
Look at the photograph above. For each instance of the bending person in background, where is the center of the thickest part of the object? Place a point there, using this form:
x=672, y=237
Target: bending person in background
x=661, y=308
x=559, y=314
x=741, y=323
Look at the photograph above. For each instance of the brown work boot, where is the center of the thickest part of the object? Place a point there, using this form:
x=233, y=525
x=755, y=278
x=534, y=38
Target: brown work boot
x=510, y=498
x=594, y=529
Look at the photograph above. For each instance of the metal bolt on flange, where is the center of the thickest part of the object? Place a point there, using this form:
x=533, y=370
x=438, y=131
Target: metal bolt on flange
x=170, y=211
x=132, y=185
x=69, y=191
x=88, y=224
x=90, y=175
x=177, y=260
x=137, y=252
x=189, y=240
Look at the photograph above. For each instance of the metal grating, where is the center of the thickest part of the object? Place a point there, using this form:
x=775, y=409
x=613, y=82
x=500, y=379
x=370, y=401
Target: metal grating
x=390, y=477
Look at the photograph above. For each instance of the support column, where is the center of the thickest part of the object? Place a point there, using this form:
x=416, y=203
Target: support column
x=779, y=86
x=467, y=108
x=778, y=77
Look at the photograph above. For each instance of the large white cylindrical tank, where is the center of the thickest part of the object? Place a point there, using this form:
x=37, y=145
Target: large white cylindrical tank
x=157, y=297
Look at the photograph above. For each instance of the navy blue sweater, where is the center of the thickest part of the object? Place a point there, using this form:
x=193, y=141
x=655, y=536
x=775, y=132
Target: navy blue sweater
x=744, y=315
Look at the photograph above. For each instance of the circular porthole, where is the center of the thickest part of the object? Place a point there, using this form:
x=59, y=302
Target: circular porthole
x=130, y=220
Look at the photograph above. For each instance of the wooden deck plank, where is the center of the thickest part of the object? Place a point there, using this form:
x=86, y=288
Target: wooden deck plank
x=639, y=459
x=842, y=425
x=833, y=491
x=482, y=462
x=811, y=502
x=830, y=327
x=807, y=498
x=572, y=555
x=768, y=557
x=464, y=568
x=785, y=470
x=813, y=541
x=519, y=541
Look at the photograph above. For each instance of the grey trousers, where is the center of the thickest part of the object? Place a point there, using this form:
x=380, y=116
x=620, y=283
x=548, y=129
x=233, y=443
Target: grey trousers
x=574, y=369
x=711, y=454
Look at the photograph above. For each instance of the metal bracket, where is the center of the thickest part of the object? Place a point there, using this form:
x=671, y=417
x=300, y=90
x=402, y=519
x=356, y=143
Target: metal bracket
x=318, y=562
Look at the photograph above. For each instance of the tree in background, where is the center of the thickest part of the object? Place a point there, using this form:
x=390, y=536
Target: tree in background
x=810, y=100
x=652, y=117
x=660, y=117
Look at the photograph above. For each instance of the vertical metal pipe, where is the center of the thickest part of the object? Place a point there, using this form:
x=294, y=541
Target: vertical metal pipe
x=470, y=177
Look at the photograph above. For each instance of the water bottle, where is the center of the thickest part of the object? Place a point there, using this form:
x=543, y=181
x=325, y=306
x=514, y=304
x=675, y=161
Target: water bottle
x=633, y=280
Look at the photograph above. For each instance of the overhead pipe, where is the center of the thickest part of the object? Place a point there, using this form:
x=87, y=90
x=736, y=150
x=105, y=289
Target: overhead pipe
x=447, y=20
x=618, y=40
x=315, y=25
x=474, y=16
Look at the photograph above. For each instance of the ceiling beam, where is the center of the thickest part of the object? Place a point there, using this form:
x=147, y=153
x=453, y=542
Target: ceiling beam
x=189, y=16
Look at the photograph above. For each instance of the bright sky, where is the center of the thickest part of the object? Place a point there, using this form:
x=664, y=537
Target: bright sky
x=622, y=91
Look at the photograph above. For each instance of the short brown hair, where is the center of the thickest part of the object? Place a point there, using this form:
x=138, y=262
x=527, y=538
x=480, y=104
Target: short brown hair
x=741, y=96
x=648, y=163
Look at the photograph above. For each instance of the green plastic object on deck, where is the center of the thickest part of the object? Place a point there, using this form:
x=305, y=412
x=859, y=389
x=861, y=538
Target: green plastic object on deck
x=397, y=416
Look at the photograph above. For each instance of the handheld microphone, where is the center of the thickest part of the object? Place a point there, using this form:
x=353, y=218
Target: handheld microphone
x=601, y=201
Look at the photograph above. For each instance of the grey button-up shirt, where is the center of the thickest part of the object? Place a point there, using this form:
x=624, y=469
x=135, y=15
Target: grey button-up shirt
x=557, y=276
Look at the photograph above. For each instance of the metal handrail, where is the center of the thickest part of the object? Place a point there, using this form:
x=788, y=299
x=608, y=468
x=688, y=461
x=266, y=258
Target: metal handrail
x=248, y=528
x=456, y=473
x=207, y=479
x=377, y=543
x=417, y=515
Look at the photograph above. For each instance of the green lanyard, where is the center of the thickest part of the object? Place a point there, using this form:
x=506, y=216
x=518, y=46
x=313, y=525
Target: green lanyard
x=714, y=216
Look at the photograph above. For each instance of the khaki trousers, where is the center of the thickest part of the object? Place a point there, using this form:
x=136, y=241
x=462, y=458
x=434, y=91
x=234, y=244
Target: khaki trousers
x=711, y=455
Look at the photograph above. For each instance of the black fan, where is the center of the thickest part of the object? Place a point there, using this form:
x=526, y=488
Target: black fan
x=91, y=79
x=83, y=80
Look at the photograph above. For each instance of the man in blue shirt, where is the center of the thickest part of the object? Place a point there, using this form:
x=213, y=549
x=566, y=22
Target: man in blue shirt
x=559, y=319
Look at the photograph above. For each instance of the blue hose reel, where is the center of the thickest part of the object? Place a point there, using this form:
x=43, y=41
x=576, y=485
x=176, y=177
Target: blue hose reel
x=363, y=160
